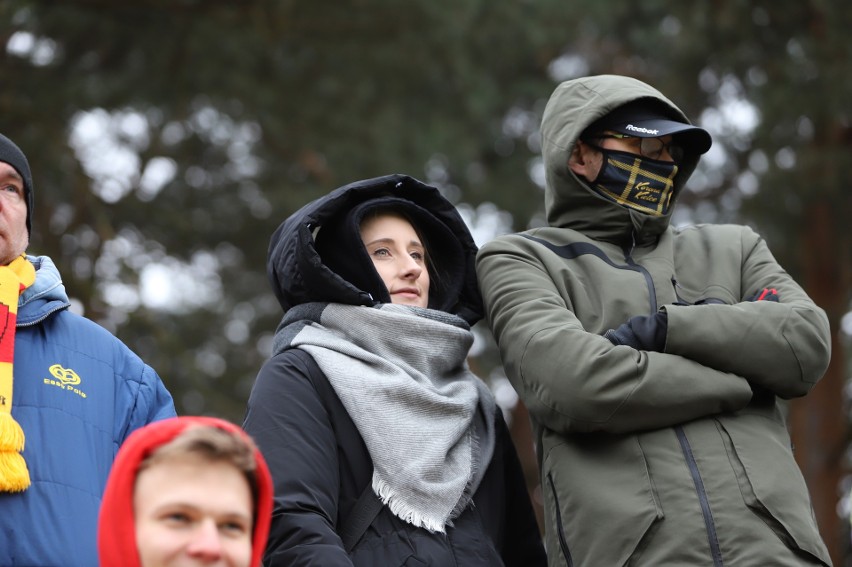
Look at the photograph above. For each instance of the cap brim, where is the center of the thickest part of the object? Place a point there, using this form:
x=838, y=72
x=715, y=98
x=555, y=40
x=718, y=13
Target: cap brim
x=692, y=138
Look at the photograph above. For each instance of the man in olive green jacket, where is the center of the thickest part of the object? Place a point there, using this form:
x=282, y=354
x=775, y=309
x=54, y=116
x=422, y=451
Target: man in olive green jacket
x=653, y=359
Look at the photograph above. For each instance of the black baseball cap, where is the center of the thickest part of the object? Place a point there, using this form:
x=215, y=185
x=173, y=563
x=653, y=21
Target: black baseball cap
x=644, y=119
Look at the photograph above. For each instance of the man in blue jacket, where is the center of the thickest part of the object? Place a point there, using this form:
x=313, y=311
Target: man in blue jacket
x=70, y=393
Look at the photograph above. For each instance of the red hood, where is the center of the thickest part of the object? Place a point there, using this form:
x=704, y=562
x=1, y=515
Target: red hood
x=116, y=532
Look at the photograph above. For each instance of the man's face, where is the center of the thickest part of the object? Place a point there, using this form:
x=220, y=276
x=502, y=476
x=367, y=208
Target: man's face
x=586, y=160
x=193, y=513
x=13, y=215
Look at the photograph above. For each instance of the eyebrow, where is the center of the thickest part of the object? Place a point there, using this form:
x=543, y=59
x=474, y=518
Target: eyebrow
x=416, y=243
x=191, y=506
x=13, y=173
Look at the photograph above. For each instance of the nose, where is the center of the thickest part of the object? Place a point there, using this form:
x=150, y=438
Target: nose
x=411, y=270
x=206, y=542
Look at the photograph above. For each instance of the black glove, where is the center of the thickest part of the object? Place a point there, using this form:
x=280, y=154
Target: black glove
x=642, y=332
x=765, y=294
x=760, y=395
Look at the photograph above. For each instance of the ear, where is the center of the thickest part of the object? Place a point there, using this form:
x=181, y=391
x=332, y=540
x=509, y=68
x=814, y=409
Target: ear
x=584, y=161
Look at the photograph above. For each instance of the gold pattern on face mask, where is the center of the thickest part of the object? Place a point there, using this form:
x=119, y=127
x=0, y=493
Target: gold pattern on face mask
x=639, y=183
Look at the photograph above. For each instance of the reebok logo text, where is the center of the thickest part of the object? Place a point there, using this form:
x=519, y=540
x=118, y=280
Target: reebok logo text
x=633, y=128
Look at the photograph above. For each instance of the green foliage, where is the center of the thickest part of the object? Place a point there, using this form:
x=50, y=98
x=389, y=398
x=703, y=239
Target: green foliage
x=180, y=133
x=258, y=107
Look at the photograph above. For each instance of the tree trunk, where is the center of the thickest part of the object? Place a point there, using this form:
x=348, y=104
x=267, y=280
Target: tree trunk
x=818, y=425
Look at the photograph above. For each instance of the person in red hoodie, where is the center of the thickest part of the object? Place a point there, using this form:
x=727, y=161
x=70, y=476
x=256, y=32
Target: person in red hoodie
x=186, y=491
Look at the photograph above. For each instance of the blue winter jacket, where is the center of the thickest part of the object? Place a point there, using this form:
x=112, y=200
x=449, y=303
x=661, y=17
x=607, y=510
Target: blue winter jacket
x=78, y=393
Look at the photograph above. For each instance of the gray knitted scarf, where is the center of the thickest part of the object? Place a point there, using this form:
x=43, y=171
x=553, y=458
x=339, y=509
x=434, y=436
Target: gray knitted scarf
x=401, y=373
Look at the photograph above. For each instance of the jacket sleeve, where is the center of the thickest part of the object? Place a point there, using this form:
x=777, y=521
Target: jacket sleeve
x=574, y=380
x=784, y=347
x=153, y=401
x=290, y=425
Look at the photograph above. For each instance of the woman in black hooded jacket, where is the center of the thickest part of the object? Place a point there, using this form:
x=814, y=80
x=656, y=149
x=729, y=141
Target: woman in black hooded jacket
x=384, y=448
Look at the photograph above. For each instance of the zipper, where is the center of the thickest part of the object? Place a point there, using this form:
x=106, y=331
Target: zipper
x=577, y=249
x=676, y=286
x=628, y=257
x=709, y=525
x=563, y=543
x=686, y=448
x=43, y=316
x=703, y=301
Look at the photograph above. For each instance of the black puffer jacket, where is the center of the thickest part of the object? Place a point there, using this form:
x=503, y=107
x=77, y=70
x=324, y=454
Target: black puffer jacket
x=318, y=460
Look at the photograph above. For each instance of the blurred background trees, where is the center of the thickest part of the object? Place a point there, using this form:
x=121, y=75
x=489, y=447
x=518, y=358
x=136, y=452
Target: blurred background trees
x=168, y=138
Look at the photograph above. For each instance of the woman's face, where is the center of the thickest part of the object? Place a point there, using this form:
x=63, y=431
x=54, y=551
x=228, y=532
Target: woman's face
x=399, y=257
x=193, y=512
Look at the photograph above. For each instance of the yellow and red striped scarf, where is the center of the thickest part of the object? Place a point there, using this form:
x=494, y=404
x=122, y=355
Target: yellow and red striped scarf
x=14, y=279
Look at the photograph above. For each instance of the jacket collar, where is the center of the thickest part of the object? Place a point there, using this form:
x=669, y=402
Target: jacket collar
x=46, y=295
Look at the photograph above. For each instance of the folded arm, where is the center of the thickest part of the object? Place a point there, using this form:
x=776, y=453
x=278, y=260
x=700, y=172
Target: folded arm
x=574, y=380
x=783, y=346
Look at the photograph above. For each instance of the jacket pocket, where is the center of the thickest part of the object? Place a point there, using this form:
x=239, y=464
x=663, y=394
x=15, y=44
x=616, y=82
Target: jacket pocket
x=599, y=499
x=556, y=522
x=770, y=481
x=691, y=294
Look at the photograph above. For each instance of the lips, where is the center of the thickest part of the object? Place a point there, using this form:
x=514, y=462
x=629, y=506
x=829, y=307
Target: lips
x=407, y=291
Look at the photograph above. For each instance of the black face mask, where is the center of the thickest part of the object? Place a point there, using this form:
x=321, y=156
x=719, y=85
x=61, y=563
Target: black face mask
x=637, y=182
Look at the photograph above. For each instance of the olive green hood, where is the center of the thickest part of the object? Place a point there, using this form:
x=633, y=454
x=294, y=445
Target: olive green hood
x=569, y=201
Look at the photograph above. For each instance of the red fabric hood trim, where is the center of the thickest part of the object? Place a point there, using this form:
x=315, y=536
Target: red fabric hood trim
x=116, y=530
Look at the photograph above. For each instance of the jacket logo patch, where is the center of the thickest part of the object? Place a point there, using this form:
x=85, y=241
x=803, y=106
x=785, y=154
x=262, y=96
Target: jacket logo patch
x=66, y=379
x=64, y=375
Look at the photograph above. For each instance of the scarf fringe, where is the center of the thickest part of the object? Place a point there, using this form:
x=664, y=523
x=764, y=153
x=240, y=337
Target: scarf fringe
x=11, y=434
x=405, y=512
x=14, y=475
x=405, y=363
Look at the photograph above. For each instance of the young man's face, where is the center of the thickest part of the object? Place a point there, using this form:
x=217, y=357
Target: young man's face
x=13, y=215
x=192, y=512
